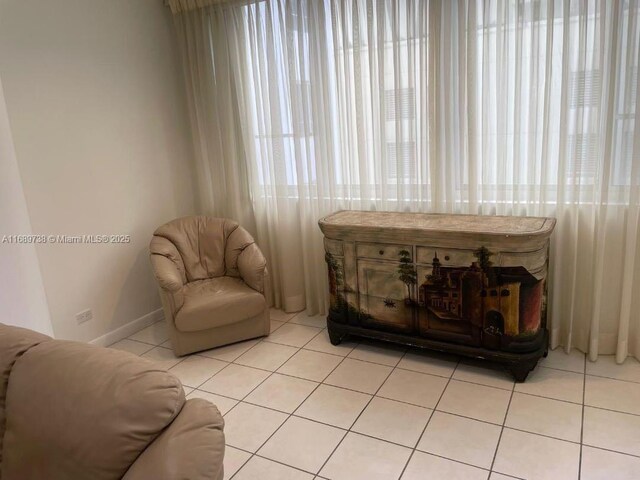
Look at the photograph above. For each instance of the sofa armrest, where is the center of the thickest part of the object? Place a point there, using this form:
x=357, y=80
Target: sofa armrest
x=192, y=447
x=252, y=267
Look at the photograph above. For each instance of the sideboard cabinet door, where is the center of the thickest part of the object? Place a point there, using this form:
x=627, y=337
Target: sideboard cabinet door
x=383, y=298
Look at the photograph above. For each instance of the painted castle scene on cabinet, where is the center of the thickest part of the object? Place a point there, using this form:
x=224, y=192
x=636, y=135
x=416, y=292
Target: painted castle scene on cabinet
x=476, y=304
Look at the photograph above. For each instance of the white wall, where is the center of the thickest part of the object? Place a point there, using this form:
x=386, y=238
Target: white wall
x=95, y=101
x=21, y=290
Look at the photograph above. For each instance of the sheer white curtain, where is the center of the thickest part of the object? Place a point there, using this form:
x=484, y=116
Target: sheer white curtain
x=222, y=179
x=492, y=107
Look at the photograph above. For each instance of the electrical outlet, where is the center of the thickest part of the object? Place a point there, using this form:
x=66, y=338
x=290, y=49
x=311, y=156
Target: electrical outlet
x=84, y=316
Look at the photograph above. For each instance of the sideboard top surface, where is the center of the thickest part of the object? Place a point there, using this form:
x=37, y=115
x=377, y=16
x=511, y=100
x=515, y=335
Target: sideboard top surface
x=430, y=222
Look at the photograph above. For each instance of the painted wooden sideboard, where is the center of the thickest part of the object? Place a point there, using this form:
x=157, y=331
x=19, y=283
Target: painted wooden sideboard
x=466, y=284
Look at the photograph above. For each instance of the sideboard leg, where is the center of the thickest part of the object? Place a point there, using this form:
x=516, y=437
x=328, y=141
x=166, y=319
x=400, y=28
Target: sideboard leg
x=334, y=337
x=521, y=370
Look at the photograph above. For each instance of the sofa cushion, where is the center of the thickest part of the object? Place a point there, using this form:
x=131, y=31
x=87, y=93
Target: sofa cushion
x=217, y=301
x=79, y=411
x=14, y=341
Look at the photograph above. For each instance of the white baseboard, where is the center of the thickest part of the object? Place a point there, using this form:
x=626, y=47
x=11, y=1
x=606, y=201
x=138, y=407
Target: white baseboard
x=129, y=329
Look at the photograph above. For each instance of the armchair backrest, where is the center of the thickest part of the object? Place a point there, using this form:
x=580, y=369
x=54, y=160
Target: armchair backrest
x=201, y=247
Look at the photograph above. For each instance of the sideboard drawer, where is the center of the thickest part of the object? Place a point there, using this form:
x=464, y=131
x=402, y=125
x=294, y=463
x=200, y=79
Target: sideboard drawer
x=449, y=257
x=382, y=251
x=382, y=297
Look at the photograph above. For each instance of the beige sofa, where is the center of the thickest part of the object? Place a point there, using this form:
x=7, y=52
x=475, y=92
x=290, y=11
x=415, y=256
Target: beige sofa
x=211, y=276
x=70, y=410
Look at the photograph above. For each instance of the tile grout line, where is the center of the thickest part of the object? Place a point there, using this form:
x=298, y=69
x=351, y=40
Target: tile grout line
x=270, y=460
x=151, y=347
x=382, y=364
x=265, y=339
x=405, y=403
x=226, y=366
x=357, y=391
x=431, y=374
x=612, y=378
x=453, y=460
x=140, y=341
x=289, y=415
x=504, y=421
x=271, y=372
x=159, y=345
x=251, y=455
x=374, y=395
x=409, y=404
x=243, y=463
x=612, y=451
x=373, y=438
x=361, y=412
x=509, y=476
x=233, y=362
x=415, y=447
x=376, y=363
x=584, y=374
x=241, y=401
x=324, y=328
x=584, y=390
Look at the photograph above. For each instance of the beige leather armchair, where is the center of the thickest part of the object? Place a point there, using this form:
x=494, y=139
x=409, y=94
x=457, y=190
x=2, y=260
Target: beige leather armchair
x=211, y=276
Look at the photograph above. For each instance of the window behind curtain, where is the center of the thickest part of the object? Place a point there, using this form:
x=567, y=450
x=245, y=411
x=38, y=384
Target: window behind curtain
x=538, y=80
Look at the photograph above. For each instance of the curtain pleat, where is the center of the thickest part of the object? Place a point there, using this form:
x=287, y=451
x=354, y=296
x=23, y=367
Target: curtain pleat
x=510, y=107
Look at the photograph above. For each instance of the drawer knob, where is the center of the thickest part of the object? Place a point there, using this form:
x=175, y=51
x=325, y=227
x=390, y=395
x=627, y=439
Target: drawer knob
x=447, y=257
x=381, y=252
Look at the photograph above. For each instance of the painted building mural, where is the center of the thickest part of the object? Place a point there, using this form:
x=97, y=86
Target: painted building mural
x=477, y=304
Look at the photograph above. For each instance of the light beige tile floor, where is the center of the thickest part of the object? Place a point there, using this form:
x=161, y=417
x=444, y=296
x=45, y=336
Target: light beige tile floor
x=366, y=410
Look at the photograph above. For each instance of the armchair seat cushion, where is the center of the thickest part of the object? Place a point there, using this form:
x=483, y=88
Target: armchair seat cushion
x=218, y=301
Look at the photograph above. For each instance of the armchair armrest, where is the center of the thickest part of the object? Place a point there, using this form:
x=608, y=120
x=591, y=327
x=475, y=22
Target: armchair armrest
x=192, y=447
x=252, y=267
x=167, y=273
x=171, y=284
